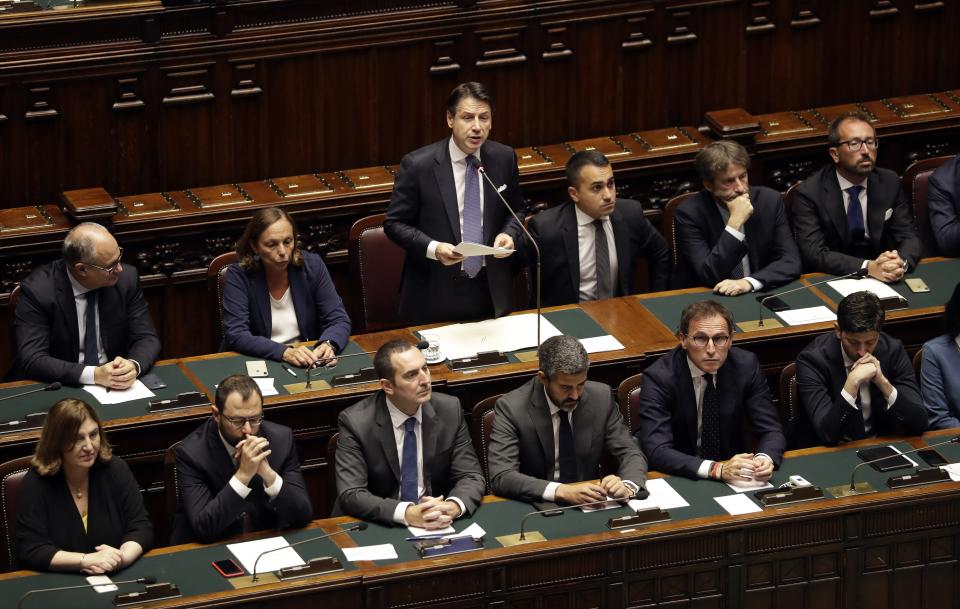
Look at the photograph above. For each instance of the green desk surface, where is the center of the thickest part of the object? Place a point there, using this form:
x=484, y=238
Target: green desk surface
x=950, y=451
x=177, y=382
x=190, y=570
x=745, y=307
x=941, y=277
x=212, y=371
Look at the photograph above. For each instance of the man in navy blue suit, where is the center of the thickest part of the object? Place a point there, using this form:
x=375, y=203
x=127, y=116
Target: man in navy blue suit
x=439, y=199
x=943, y=207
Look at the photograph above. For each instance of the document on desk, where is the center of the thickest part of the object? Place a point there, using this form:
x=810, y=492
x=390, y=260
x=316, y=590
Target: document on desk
x=420, y=531
x=137, y=391
x=662, y=495
x=737, y=504
x=384, y=551
x=468, y=248
x=474, y=530
x=247, y=552
x=953, y=469
x=266, y=386
x=599, y=344
x=845, y=287
x=808, y=315
x=742, y=486
x=505, y=334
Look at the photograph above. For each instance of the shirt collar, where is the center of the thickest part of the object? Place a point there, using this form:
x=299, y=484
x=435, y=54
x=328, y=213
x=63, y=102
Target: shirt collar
x=554, y=409
x=695, y=372
x=845, y=183
x=584, y=219
x=398, y=418
x=78, y=289
x=847, y=362
x=226, y=445
x=457, y=155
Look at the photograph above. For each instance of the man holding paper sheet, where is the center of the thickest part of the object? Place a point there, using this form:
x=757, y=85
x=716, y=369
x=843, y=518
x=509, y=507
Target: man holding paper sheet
x=404, y=455
x=440, y=199
x=549, y=435
x=695, y=399
x=856, y=382
x=877, y=231
x=237, y=472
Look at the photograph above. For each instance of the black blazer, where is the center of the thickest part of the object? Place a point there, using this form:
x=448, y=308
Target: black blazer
x=668, y=412
x=48, y=520
x=423, y=208
x=824, y=417
x=707, y=253
x=943, y=209
x=209, y=507
x=555, y=231
x=48, y=338
x=821, y=223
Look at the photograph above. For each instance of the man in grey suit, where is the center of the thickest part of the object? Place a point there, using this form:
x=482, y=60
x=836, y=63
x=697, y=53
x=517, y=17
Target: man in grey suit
x=404, y=454
x=537, y=453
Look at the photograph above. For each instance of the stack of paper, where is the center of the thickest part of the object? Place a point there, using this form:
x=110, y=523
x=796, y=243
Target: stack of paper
x=504, y=334
x=137, y=391
x=845, y=287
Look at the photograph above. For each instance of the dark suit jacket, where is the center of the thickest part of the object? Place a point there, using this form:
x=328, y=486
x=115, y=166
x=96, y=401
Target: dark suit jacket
x=555, y=231
x=824, y=417
x=423, y=208
x=48, y=338
x=943, y=207
x=368, y=466
x=209, y=507
x=707, y=253
x=521, y=443
x=247, y=317
x=48, y=520
x=821, y=222
x=668, y=412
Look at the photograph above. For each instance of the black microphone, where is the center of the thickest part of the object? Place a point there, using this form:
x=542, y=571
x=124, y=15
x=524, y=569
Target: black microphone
x=148, y=580
x=853, y=474
x=536, y=247
x=357, y=526
x=51, y=387
x=323, y=360
x=560, y=510
x=859, y=273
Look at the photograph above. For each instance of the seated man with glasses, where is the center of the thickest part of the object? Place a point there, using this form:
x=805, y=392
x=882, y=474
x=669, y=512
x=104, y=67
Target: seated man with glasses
x=694, y=399
x=238, y=473
x=82, y=319
x=877, y=232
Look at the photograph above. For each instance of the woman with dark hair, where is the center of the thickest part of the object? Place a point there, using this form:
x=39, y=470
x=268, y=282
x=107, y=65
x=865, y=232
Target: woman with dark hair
x=278, y=294
x=80, y=506
x=940, y=370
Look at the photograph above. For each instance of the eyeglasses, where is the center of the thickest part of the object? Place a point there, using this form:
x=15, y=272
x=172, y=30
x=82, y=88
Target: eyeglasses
x=855, y=144
x=239, y=422
x=113, y=268
x=701, y=341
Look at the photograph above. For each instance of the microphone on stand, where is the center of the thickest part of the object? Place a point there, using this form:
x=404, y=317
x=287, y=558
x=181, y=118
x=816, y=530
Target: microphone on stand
x=536, y=247
x=357, y=526
x=845, y=491
x=51, y=387
x=859, y=273
x=149, y=580
x=557, y=511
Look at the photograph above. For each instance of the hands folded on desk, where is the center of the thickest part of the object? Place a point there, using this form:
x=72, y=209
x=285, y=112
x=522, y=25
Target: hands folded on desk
x=589, y=492
x=888, y=267
x=304, y=356
x=747, y=466
x=432, y=513
x=118, y=374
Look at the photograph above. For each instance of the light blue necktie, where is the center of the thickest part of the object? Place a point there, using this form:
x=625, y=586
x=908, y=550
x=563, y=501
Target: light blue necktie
x=472, y=217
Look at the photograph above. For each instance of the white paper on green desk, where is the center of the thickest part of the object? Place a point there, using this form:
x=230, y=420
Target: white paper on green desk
x=474, y=530
x=809, y=315
x=420, y=531
x=247, y=552
x=504, y=334
x=737, y=504
x=384, y=551
x=742, y=486
x=137, y=391
x=467, y=248
x=266, y=386
x=599, y=344
x=953, y=469
x=662, y=495
x=845, y=287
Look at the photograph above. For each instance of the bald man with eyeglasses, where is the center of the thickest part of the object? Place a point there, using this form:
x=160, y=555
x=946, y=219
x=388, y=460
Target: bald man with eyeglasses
x=82, y=319
x=694, y=399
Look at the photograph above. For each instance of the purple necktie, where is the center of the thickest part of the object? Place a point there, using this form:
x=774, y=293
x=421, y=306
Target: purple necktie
x=472, y=218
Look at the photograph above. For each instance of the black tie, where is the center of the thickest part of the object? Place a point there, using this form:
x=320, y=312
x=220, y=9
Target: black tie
x=604, y=287
x=568, y=456
x=90, y=355
x=710, y=422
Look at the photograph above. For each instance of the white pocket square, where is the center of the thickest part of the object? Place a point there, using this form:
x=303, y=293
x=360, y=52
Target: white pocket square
x=502, y=188
x=887, y=214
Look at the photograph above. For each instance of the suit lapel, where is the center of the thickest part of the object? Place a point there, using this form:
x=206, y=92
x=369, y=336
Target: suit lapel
x=540, y=418
x=388, y=441
x=875, y=211
x=298, y=295
x=834, y=202
x=686, y=398
x=621, y=240
x=443, y=172
x=261, y=301
x=571, y=244
x=492, y=205
x=583, y=423
x=222, y=466
x=428, y=439
x=67, y=305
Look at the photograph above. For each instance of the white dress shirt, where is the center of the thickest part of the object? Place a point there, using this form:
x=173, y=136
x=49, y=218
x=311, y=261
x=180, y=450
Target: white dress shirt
x=239, y=487
x=862, y=200
x=80, y=298
x=458, y=160
x=587, y=246
x=283, y=319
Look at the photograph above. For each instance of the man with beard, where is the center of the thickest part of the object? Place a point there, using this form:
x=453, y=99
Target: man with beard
x=238, y=473
x=549, y=435
x=405, y=454
x=877, y=231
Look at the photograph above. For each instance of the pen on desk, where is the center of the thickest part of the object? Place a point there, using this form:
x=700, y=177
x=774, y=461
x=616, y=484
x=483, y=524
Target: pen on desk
x=420, y=537
x=292, y=373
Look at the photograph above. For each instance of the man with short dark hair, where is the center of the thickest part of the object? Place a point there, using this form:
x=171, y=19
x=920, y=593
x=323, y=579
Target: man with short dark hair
x=237, y=472
x=574, y=268
x=82, y=320
x=733, y=237
x=549, y=435
x=404, y=455
x=856, y=382
x=439, y=199
x=694, y=401
x=876, y=232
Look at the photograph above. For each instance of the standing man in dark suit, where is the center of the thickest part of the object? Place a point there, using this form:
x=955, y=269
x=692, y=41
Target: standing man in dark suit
x=238, y=473
x=694, y=399
x=82, y=320
x=877, y=232
x=549, y=435
x=943, y=207
x=404, y=454
x=733, y=237
x=856, y=382
x=573, y=268
x=440, y=199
